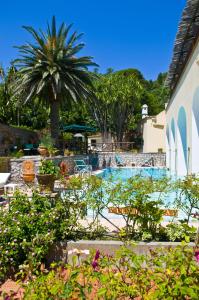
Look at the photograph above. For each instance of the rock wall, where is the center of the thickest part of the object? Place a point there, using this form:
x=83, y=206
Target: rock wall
x=16, y=164
x=10, y=136
x=99, y=161
x=128, y=158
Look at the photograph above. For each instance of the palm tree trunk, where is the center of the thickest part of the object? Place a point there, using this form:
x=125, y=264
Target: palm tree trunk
x=54, y=120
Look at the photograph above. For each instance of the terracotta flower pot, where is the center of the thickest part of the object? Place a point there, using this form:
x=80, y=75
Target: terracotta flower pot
x=46, y=182
x=28, y=177
x=43, y=151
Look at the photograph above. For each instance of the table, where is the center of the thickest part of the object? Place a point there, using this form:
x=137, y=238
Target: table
x=10, y=186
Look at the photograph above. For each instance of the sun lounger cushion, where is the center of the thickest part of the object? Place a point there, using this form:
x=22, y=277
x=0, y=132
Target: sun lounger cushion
x=3, y=179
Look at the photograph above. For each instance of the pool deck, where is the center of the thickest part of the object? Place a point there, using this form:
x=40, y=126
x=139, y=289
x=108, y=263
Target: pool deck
x=120, y=223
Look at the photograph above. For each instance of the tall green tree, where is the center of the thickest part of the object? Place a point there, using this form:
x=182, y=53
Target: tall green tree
x=50, y=70
x=8, y=106
x=117, y=95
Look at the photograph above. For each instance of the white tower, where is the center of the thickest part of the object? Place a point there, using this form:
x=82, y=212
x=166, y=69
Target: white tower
x=144, y=111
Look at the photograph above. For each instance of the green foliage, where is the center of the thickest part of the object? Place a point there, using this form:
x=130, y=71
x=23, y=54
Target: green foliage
x=139, y=201
x=188, y=196
x=164, y=274
x=138, y=197
x=17, y=154
x=157, y=94
x=30, y=227
x=48, y=167
x=47, y=141
x=109, y=100
x=49, y=68
x=180, y=231
x=4, y=164
x=67, y=136
x=115, y=94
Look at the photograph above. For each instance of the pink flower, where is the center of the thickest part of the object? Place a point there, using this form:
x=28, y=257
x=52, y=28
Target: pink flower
x=97, y=255
x=94, y=264
x=197, y=255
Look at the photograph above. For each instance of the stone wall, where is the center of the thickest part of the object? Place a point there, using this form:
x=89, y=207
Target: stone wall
x=16, y=164
x=59, y=251
x=100, y=159
x=10, y=136
x=136, y=158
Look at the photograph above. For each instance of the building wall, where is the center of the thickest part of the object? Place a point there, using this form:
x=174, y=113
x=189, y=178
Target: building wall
x=154, y=132
x=182, y=118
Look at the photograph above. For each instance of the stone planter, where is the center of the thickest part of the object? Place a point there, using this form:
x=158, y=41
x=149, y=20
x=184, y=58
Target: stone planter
x=28, y=178
x=46, y=182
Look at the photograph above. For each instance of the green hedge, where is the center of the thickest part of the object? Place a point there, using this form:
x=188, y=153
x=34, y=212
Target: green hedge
x=4, y=164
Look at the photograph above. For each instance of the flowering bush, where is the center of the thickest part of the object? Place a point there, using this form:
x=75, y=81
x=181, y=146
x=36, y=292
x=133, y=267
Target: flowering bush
x=141, y=212
x=30, y=226
x=164, y=274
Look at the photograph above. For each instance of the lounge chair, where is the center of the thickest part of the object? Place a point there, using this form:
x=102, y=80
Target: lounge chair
x=3, y=179
x=119, y=161
x=148, y=163
x=81, y=166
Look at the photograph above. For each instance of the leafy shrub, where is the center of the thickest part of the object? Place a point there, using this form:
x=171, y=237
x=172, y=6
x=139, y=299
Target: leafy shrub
x=47, y=141
x=30, y=226
x=48, y=167
x=179, y=231
x=164, y=274
x=4, y=164
x=141, y=212
x=17, y=154
x=188, y=195
x=67, y=136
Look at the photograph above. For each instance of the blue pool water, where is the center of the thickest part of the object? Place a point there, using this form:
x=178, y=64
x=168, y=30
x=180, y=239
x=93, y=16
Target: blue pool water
x=125, y=173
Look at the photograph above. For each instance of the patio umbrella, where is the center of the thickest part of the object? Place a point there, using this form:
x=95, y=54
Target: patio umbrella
x=74, y=128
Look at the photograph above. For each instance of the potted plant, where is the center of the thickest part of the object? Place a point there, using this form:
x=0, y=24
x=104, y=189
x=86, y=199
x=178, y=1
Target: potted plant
x=46, y=144
x=48, y=172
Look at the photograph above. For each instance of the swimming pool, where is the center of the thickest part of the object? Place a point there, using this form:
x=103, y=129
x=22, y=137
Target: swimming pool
x=113, y=175
x=125, y=173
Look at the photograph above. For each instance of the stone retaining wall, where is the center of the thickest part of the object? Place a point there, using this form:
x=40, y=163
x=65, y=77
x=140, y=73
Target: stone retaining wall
x=102, y=160
x=16, y=164
x=137, y=158
x=59, y=252
x=10, y=136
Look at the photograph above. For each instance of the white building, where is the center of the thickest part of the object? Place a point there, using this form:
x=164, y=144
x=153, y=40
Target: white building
x=95, y=141
x=182, y=112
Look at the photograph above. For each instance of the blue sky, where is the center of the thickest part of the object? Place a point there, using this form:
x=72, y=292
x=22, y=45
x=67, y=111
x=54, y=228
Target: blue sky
x=118, y=33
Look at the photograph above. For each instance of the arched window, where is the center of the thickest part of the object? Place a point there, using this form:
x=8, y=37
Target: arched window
x=173, y=147
x=168, y=150
x=195, y=133
x=182, y=142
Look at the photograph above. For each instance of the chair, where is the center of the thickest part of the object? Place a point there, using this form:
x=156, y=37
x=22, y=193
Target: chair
x=148, y=163
x=3, y=179
x=94, y=161
x=119, y=161
x=81, y=166
x=27, y=149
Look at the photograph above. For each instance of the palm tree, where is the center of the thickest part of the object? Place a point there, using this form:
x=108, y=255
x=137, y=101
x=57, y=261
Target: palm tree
x=50, y=69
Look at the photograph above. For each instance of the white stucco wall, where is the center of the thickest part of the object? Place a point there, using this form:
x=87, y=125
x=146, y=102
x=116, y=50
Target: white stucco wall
x=183, y=112
x=154, y=133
